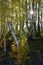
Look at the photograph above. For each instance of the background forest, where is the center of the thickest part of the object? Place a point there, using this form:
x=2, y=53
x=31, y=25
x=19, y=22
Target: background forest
x=21, y=32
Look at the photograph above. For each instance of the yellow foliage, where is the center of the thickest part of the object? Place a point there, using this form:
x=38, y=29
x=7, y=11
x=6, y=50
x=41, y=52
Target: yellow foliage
x=1, y=43
x=37, y=1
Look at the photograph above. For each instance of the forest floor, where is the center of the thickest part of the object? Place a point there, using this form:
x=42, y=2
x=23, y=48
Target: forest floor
x=36, y=54
x=36, y=51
